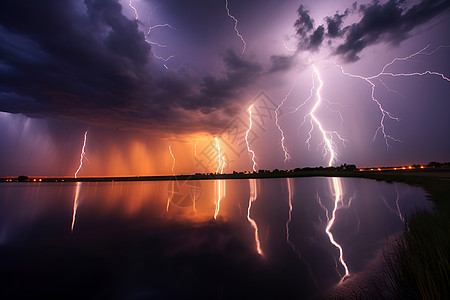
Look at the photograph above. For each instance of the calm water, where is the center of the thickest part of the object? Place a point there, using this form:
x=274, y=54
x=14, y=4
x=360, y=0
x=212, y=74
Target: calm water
x=272, y=238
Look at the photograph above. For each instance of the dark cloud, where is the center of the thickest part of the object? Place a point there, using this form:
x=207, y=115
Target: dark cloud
x=334, y=24
x=239, y=73
x=315, y=40
x=88, y=62
x=281, y=63
x=390, y=22
x=304, y=24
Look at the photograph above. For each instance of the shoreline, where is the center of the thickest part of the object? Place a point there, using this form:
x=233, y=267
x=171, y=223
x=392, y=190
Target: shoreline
x=435, y=181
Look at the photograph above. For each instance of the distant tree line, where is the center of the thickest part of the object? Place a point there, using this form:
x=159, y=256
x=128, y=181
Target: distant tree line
x=435, y=164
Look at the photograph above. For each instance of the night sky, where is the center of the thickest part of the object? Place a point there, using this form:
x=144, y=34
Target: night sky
x=144, y=75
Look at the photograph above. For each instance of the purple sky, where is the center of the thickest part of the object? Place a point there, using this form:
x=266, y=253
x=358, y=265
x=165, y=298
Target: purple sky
x=69, y=66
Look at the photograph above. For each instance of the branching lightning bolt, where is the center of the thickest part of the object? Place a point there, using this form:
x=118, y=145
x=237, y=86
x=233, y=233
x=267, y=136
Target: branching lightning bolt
x=327, y=136
x=337, y=185
x=287, y=156
x=371, y=81
x=83, y=153
x=235, y=27
x=246, y=138
x=384, y=113
x=150, y=28
x=329, y=149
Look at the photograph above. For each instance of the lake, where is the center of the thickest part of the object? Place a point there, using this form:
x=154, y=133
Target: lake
x=223, y=239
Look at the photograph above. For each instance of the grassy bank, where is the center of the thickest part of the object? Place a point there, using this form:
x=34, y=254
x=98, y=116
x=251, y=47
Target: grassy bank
x=419, y=266
x=415, y=264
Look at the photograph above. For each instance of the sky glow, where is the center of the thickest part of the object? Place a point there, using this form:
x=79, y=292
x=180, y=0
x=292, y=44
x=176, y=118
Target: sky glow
x=144, y=75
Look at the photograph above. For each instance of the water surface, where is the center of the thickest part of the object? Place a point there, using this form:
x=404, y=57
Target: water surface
x=224, y=239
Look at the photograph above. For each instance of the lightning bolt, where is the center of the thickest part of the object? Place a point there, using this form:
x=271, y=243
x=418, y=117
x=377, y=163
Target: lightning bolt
x=327, y=136
x=75, y=205
x=220, y=190
x=337, y=187
x=220, y=158
x=253, y=185
x=398, y=211
x=147, y=39
x=235, y=27
x=173, y=158
x=287, y=156
x=336, y=182
x=252, y=198
x=290, y=195
x=246, y=138
x=171, y=193
x=377, y=77
x=219, y=184
x=172, y=182
x=77, y=190
x=396, y=203
x=83, y=153
x=193, y=201
x=329, y=149
x=149, y=29
x=130, y=4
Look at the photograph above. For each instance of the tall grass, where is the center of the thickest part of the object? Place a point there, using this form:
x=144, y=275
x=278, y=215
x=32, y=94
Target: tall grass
x=419, y=266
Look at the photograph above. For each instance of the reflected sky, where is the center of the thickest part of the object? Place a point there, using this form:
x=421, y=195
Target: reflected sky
x=267, y=238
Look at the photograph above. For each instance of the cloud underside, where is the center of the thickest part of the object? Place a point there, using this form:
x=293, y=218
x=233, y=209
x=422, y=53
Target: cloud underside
x=391, y=22
x=88, y=62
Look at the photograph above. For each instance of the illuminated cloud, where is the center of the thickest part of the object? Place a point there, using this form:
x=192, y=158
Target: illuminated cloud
x=390, y=22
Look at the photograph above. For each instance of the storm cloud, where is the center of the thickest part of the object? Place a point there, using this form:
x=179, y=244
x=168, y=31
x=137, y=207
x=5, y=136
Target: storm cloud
x=89, y=62
x=390, y=22
x=309, y=39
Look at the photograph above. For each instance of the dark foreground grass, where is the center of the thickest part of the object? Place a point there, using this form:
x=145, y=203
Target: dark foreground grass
x=419, y=266
x=414, y=264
